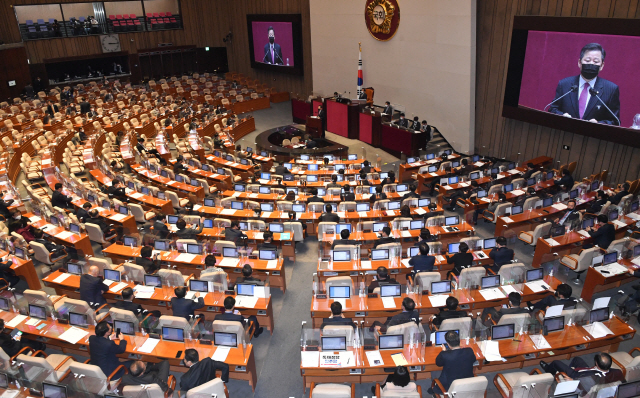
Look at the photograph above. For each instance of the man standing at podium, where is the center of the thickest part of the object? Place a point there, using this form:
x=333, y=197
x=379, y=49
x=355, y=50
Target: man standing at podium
x=322, y=117
x=272, y=50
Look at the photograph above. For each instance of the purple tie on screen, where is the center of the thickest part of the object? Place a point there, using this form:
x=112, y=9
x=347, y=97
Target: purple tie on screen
x=583, y=99
x=272, y=60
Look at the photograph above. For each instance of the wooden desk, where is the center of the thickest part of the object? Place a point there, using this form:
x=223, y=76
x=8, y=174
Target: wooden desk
x=342, y=119
x=23, y=269
x=566, y=243
x=165, y=183
x=573, y=341
x=596, y=282
x=464, y=230
x=80, y=242
x=242, y=364
x=397, y=141
x=277, y=276
x=161, y=299
x=300, y=109
x=370, y=130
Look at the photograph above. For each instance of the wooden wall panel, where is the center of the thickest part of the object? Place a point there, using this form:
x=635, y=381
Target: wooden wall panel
x=501, y=137
x=206, y=23
x=13, y=67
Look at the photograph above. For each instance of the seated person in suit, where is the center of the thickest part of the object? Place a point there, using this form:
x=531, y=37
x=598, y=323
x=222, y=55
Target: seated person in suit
x=366, y=167
x=456, y=362
x=247, y=271
x=398, y=382
x=200, y=370
x=412, y=192
x=512, y=308
x=57, y=251
x=379, y=194
x=571, y=215
x=621, y=192
x=83, y=213
x=267, y=244
x=416, y=124
x=58, y=199
x=337, y=318
x=183, y=306
x=493, y=205
x=151, y=265
x=314, y=196
x=565, y=181
x=604, y=235
x=92, y=288
x=601, y=199
x=160, y=229
x=402, y=122
x=391, y=178
x=461, y=260
x=531, y=193
x=103, y=351
x=600, y=373
x=8, y=274
x=425, y=236
x=500, y=254
x=384, y=237
x=233, y=232
x=363, y=178
x=147, y=373
x=449, y=312
x=281, y=170
x=231, y=314
x=383, y=277
x=328, y=215
x=127, y=304
x=408, y=314
x=347, y=196
x=11, y=346
x=188, y=233
x=95, y=219
x=561, y=296
x=179, y=166
x=344, y=239
x=117, y=191
x=531, y=168
x=334, y=182
x=388, y=110
x=423, y=261
x=464, y=193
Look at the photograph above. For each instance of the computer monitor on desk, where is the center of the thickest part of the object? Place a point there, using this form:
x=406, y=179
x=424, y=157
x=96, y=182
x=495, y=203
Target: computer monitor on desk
x=125, y=327
x=379, y=254
x=130, y=241
x=453, y=220
x=363, y=207
x=629, y=390
x=267, y=254
x=36, y=311
x=172, y=334
x=230, y=252
x=377, y=226
x=440, y=287
x=341, y=255
x=599, y=315
x=152, y=280
x=440, y=336
x=112, y=274
x=454, y=248
x=535, y=274
x=74, y=268
x=503, y=331
x=390, y=290
x=223, y=339
x=339, y=292
x=554, y=324
x=334, y=343
x=245, y=289
x=198, y=286
x=392, y=342
x=161, y=245
x=341, y=226
x=490, y=281
x=50, y=390
x=77, y=319
x=266, y=207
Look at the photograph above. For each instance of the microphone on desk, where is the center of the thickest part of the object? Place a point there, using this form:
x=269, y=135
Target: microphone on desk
x=573, y=88
x=595, y=93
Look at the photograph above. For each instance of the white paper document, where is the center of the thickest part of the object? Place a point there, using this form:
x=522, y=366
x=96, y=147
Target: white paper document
x=185, y=257
x=517, y=192
x=265, y=214
x=362, y=214
x=228, y=212
x=440, y=258
x=636, y=261
x=347, y=359
x=32, y=322
x=229, y=262
x=566, y=387
x=136, y=195
x=540, y=342
x=559, y=206
x=144, y=294
x=612, y=269
x=554, y=310
x=73, y=335
x=438, y=300
x=148, y=346
x=341, y=214
x=619, y=223
x=507, y=219
x=272, y=264
x=552, y=242
x=389, y=302
x=310, y=359
x=374, y=358
x=509, y=289
x=108, y=282
x=513, y=171
x=420, y=211
x=491, y=350
x=405, y=234
x=258, y=235
x=246, y=301
x=390, y=212
x=602, y=302
x=34, y=218
x=492, y=294
x=597, y=330
x=405, y=262
x=537, y=286
x=366, y=264
x=16, y=321
x=190, y=295
x=61, y=278
x=632, y=216
x=584, y=233
x=118, y=217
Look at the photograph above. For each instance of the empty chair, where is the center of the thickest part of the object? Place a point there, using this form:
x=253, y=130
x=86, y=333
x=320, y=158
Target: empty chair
x=213, y=388
x=339, y=281
x=627, y=363
x=521, y=384
x=331, y=390
x=96, y=381
x=53, y=366
x=532, y=237
x=580, y=262
x=470, y=277
x=472, y=387
x=424, y=279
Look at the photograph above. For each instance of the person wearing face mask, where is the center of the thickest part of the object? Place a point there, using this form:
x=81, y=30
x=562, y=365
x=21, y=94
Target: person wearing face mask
x=272, y=50
x=402, y=122
x=581, y=103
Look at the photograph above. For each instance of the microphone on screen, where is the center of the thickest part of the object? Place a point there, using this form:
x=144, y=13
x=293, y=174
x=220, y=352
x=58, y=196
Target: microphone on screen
x=573, y=88
x=595, y=93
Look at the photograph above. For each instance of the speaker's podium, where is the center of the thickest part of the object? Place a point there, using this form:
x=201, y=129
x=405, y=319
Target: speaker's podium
x=342, y=117
x=314, y=126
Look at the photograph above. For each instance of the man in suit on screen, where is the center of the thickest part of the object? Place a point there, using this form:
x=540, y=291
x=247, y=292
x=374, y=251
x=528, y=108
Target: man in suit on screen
x=581, y=103
x=272, y=50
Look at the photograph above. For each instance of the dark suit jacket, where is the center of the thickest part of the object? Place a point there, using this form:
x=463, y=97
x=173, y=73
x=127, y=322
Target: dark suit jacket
x=277, y=54
x=446, y=314
x=337, y=321
x=315, y=199
x=129, y=306
x=202, y=372
x=189, y=233
x=184, y=307
x=82, y=215
x=229, y=316
x=403, y=317
x=566, y=181
x=281, y=170
x=604, y=235
x=52, y=109
x=402, y=122
x=376, y=283
x=157, y=373
x=422, y=263
x=329, y=217
x=511, y=311
x=343, y=242
x=232, y=234
x=348, y=197
x=103, y=353
x=456, y=364
x=382, y=241
x=91, y=289
x=501, y=256
x=388, y=110
x=609, y=93
x=615, y=199
x=59, y=199
x=150, y=266
x=160, y=229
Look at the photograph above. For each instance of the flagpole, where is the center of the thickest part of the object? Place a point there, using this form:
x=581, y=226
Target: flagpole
x=360, y=79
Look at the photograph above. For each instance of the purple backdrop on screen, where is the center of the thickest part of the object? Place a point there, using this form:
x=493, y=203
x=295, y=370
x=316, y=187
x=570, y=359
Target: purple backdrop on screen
x=552, y=56
x=283, y=36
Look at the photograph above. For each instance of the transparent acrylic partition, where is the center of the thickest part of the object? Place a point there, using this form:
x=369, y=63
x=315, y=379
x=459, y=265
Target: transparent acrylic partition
x=31, y=376
x=68, y=306
x=82, y=386
x=342, y=341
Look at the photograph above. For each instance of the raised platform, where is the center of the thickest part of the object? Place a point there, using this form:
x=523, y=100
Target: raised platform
x=271, y=141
